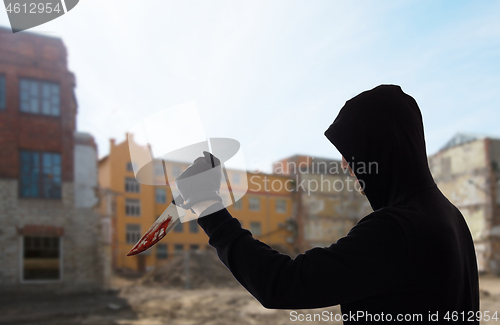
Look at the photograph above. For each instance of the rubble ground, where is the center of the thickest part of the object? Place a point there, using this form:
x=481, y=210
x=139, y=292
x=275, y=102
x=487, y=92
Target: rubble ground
x=159, y=298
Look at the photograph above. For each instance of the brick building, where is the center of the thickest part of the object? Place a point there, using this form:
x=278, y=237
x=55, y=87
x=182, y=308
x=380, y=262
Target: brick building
x=46, y=241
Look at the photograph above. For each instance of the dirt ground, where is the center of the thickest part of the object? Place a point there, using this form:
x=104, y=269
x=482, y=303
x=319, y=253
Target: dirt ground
x=490, y=296
x=133, y=303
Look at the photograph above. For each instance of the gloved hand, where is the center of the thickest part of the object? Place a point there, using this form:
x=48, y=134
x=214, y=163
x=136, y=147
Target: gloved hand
x=200, y=181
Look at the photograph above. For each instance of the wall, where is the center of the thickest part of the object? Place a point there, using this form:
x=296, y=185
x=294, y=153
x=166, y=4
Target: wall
x=81, y=264
x=331, y=206
x=462, y=174
x=326, y=203
x=28, y=55
x=494, y=187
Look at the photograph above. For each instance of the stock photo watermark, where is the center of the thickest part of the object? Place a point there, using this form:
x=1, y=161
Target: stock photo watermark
x=26, y=14
x=311, y=177
x=365, y=316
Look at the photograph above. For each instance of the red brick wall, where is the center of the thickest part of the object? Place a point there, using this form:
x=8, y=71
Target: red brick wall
x=25, y=55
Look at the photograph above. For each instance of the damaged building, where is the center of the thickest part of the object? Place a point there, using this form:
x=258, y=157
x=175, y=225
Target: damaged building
x=467, y=171
x=326, y=202
x=50, y=236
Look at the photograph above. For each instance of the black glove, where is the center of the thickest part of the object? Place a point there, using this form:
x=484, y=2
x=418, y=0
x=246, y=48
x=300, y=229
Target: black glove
x=200, y=181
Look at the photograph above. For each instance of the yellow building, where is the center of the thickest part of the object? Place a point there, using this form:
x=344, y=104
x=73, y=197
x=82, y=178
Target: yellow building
x=133, y=208
x=267, y=209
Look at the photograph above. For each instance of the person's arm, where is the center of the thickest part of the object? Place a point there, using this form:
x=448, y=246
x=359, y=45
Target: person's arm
x=362, y=264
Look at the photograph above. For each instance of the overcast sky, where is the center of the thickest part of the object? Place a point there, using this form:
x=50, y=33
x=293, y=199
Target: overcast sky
x=274, y=74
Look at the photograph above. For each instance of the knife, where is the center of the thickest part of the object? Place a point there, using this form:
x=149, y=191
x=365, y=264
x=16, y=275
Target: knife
x=160, y=228
x=167, y=221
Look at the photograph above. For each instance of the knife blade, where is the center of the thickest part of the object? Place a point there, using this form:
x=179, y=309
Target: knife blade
x=160, y=228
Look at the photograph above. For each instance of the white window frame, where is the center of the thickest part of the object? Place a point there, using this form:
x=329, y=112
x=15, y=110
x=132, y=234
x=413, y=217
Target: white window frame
x=132, y=186
x=164, y=195
x=127, y=232
x=280, y=208
x=254, y=203
x=133, y=215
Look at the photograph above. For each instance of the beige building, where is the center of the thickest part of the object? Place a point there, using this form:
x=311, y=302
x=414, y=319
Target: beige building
x=467, y=171
x=326, y=202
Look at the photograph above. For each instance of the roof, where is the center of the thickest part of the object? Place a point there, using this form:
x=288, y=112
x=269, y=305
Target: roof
x=298, y=156
x=103, y=159
x=462, y=138
x=30, y=33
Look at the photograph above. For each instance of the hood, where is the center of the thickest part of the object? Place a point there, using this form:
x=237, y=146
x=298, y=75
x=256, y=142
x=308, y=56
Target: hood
x=381, y=135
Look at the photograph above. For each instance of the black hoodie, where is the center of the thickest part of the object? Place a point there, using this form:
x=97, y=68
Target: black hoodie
x=412, y=257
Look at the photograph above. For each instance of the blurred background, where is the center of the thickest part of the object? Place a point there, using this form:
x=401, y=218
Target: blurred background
x=272, y=75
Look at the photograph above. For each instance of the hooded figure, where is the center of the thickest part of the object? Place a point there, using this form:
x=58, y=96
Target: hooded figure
x=411, y=260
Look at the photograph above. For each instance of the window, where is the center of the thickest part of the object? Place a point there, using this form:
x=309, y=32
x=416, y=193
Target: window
x=161, y=251
x=178, y=227
x=40, y=174
x=158, y=168
x=236, y=179
x=281, y=206
x=132, y=207
x=41, y=258
x=255, y=228
x=161, y=195
x=193, y=226
x=131, y=166
x=175, y=194
x=194, y=247
x=39, y=97
x=133, y=233
x=238, y=205
x=254, y=204
x=2, y=92
x=176, y=171
x=178, y=249
x=131, y=185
